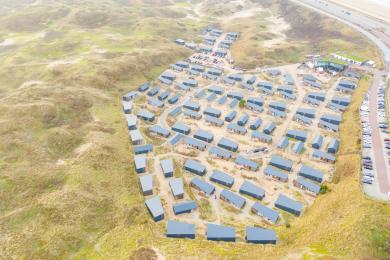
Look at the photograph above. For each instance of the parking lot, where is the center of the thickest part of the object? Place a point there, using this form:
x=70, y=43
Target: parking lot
x=375, y=142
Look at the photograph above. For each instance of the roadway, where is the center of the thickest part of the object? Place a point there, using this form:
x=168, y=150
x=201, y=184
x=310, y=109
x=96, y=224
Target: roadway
x=379, y=33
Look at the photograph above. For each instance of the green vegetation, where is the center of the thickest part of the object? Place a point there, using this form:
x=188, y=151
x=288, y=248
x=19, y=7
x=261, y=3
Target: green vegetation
x=242, y=103
x=205, y=210
x=324, y=189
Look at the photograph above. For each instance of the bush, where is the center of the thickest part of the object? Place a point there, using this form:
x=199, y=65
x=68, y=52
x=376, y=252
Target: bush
x=324, y=189
x=242, y=103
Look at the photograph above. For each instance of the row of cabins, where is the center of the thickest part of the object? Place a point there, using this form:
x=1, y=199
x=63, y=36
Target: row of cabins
x=333, y=145
x=214, y=232
x=189, y=45
x=330, y=122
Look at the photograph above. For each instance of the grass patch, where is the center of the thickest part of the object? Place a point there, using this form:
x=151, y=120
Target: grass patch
x=205, y=210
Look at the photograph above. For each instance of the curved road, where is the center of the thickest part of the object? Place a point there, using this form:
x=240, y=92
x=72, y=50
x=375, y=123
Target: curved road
x=379, y=33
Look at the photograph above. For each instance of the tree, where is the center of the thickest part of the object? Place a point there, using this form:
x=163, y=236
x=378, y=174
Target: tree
x=242, y=103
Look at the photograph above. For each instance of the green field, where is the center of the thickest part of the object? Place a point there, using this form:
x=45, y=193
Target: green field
x=67, y=184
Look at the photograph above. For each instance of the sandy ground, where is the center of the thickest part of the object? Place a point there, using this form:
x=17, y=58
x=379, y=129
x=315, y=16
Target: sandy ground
x=379, y=9
x=278, y=26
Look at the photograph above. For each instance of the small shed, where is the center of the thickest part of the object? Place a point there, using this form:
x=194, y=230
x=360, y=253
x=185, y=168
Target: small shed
x=228, y=144
x=140, y=163
x=276, y=113
x=175, y=112
x=200, y=94
x=286, y=89
x=307, y=112
x=287, y=204
x=333, y=145
x=256, y=124
x=235, y=95
x=232, y=198
x=305, y=184
x=220, y=233
x=246, y=163
x=222, y=178
x=130, y=96
x=211, y=97
x=131, y=122
x=283, y=143
x=136, y=137
x=243, y=119
x=311, y=173
x=159, y=130
x=177, y=229
x=256, y=100
x=233, y=103
x=213, y=120
x=259, y=235
x=194, y=143
x=222, y=100
x=144, y=87
x=155, y=208
x=127, y=107
x=204, y=135
x=190, y=83
x=320, y=96
x=155, y=102
x=256, y=135
x=212, y=112
x=298, y=147
x=281, y=106
x=250, y=189
x=269, y=128
x=297, y=134
x=184, y=207
x=281, y=163
x=168, y=75
x=146, y=115
x=275, y=174
x=164, y=95
x=219, y=153
x=167, y=167
x=333, y=119
x=236, y=77
x=146, y=182
x=152, y=92
x=191, y=114
x=216, y=89
x=235, y=128
x=181, y=128
x=202, y=186
x=191, y=105
x=194, y=167
x=265, y=212
x=177, y=188
x=323, y=156
x=230, y=117
x=142, y=149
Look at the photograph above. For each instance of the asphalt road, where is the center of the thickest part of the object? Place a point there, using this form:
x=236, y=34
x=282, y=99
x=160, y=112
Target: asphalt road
x=379, y=33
